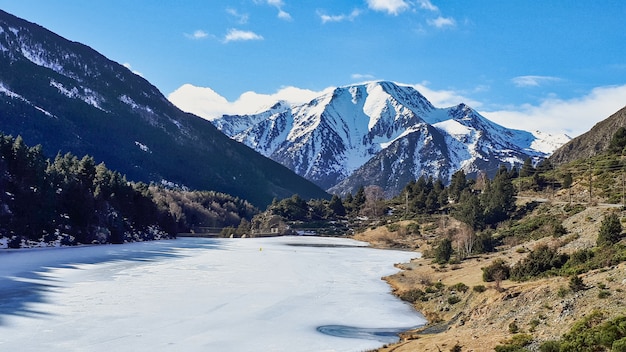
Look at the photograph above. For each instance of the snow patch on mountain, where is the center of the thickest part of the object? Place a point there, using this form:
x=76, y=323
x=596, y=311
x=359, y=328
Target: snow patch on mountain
x=390, y=129
x=85, y=94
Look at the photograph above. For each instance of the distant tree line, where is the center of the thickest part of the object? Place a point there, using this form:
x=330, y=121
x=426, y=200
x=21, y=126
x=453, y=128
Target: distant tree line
x=72, y=201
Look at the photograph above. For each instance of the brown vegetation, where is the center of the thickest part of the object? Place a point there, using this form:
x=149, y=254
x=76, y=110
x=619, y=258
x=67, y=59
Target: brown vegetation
x=489, y=313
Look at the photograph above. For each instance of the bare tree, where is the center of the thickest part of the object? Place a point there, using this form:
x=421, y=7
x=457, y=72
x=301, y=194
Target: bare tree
x=374, y=201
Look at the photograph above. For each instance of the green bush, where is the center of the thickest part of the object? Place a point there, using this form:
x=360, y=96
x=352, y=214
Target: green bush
x=537, y=263
x=594, y=333
x=460, y=287
x=576, y=283
x=603, y=294
x=443, y=251
x=610, y=230
x=515, y=344
x=550, y=346
x=479, y=288
x=619, y=345
x=413, y=295
x=497, y=270
x=454, y=299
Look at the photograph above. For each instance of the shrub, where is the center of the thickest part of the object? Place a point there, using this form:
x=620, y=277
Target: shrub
x=515, y=344
x=603, y=294
x=593, y=333
x=498, y=270
x=542, y=259
x=460, y=287
x=413, y=295
x=453, y=299
x=610, y=230
x=550, y=346
x=619, y=345
x=576, y=283
x=479, y=288
x=443, y=252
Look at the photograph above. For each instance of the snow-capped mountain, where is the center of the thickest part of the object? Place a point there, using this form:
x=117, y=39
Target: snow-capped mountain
x=382, y=133
x=69, y=98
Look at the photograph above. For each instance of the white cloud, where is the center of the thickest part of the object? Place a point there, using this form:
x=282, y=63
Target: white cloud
x=533, y=81
x=573, y=117
x=362, y=77
x=444, y=98
x=339, y=18
x=208, y=104
x=242, y=18
x=128, y=66
x=239, y=35
x=441, y=22
x=427, y=5
x=284, y=15
x=392, y=7
x=278, y=4
x=198, y=34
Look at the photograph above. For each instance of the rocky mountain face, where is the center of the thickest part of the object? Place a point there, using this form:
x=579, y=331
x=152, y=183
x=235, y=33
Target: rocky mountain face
x=385, y=134
x=69, y=98
x=591, y=143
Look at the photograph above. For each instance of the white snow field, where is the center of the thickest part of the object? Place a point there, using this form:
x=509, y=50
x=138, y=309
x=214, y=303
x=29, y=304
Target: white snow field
x=194, y=294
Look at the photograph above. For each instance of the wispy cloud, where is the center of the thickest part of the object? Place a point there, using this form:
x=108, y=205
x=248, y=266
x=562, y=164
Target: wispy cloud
x=362, y=77
x=242, y=18
x=197, y=35
x=278, y=4
x=234, y=35
x=442, y=22
x=339, y=18
x=392, y=7
x=427, y=5
x=572, y=116
x=533, y=81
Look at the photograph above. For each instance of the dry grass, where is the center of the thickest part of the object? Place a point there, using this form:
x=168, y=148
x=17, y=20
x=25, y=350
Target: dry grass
x=481, y=320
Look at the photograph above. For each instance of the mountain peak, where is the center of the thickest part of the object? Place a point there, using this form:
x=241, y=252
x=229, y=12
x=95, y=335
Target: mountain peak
x=382, y=133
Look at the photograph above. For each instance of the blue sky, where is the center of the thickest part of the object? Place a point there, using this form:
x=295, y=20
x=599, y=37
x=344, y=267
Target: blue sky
x=558, y=66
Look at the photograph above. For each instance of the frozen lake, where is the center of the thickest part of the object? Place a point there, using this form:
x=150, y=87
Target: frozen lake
x=191, y=294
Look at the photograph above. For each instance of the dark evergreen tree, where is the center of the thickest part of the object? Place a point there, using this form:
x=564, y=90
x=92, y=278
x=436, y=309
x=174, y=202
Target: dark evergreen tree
x=443, y=251
x=527, y=169
x=336, y=206
x=359, y=199
x=610, y=230
x=470, y=211
x=498, y=199
x=458, y=183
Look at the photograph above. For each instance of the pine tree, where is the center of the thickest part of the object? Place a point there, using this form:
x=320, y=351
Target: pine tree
x=336, y=206
x=610, y=230
x=527, y=169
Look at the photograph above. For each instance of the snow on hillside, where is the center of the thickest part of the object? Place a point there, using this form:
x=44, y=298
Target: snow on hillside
x=329, y=138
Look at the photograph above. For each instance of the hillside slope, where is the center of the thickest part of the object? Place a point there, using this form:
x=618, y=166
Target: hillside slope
x=69, y=98
x=591, y=143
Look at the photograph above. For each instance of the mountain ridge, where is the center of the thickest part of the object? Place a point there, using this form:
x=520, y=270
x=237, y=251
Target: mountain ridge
x=69, y=98
x=592, y=142
x=330, y=138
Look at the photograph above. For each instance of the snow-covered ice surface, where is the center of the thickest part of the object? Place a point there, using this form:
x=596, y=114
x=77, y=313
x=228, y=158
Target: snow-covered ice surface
x=271, y=294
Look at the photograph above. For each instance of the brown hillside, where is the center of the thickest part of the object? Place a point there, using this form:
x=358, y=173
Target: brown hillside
x=591, y=143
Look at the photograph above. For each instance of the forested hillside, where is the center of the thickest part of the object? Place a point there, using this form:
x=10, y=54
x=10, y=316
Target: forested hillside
x=71, y=200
